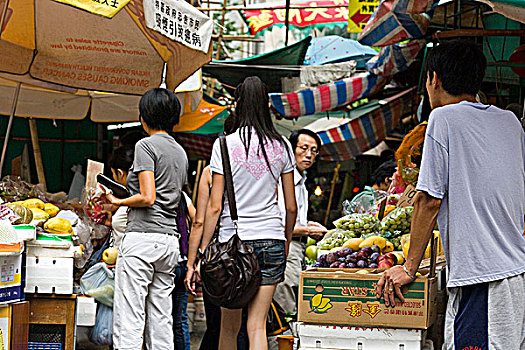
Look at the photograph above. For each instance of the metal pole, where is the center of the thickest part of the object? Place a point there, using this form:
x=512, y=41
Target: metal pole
x=9, y=125
x=287, y=22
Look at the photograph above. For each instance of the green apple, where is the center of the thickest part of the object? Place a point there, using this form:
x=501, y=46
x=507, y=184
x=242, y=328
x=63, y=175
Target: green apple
x=311, y=252
x=110, y=256
x=310, y=241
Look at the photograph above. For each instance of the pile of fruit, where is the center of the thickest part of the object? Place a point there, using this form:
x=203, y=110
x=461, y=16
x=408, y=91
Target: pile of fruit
x=396, y=224
x=335, y=238
x=358, y=224
x=35, y=212
x=361, y=253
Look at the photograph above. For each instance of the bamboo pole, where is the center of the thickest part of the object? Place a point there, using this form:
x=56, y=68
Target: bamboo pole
x=37, y=153
x=10, y=124
x=219, y=41
x=334, y=180
x=200, y=166
x=240, y=8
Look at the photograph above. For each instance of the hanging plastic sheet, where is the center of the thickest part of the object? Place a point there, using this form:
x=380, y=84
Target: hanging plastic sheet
x=397, y=20
x=395, y=58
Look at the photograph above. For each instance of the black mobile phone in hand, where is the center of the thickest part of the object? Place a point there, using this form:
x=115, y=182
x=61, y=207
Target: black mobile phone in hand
x=118, y=190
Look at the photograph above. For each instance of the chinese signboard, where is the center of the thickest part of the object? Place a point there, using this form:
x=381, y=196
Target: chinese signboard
x=179, y=21
x=106, y=8
x=359, y=12
x=318, y=16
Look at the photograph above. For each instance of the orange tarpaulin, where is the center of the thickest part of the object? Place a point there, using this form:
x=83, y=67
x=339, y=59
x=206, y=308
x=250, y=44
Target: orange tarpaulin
x=194, y=120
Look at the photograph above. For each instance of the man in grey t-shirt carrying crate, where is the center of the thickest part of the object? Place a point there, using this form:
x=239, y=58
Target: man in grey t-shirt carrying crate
x=472, y=180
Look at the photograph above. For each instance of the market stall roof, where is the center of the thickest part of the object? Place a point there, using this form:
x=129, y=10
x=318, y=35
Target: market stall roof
x=326, y=97
x=335, y=49
x=513, y=9
x=346, y=139
x=270, y=67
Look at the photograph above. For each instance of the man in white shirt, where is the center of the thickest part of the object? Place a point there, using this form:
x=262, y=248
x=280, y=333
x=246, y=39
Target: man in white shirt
x=305, y=145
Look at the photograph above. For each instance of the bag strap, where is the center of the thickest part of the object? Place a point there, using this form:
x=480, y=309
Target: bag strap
x=228, y=179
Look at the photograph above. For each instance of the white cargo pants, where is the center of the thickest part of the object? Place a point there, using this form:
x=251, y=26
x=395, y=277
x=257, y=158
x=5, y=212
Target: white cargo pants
x=144, y=281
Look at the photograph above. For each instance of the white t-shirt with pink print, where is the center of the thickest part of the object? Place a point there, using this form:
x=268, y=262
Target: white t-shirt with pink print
x=255, y=187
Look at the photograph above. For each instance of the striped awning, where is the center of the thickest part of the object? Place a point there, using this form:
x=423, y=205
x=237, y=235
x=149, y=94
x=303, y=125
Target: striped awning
x=348, y=140
x=326, y=97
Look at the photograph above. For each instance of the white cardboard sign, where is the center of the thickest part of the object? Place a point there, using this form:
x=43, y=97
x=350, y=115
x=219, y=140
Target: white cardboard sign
x=179, y=21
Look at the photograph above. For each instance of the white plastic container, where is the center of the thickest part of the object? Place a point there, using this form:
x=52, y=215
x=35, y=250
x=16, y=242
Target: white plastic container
x=199, y=313
x=50, y=249
x=327, y=337
x=86, y=311
x=49, y=275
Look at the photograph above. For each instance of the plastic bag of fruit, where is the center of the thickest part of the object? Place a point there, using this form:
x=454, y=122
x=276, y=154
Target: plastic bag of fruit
x=335, y=238
x=358, y=224
x=397, y=222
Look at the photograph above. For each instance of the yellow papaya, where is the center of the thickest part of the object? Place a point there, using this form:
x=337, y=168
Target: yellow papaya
x=373, y=240
x=353, y=243
x=58, y=226
x=389, y=247
x=405, y=243
x=33, y=203
x=39, y=214
x=51, y=209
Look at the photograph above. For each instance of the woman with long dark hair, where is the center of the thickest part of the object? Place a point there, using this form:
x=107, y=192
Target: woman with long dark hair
x=259, y=157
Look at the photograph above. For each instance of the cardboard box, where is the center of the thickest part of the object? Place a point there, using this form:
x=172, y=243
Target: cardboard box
x=324, y=336
x=352, y=300
x=12, y=275
x=14, y=326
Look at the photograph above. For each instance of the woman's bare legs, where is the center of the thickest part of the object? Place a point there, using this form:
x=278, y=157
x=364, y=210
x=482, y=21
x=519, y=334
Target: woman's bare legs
x=230, y=326
x=257, y=314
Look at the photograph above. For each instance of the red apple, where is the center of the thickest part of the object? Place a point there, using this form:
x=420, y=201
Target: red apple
x=385, y=264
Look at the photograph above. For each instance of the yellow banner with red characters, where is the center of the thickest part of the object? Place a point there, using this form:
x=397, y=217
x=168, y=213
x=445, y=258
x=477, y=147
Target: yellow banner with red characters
x=302, y=15
x=106, y=8
x=359, y=12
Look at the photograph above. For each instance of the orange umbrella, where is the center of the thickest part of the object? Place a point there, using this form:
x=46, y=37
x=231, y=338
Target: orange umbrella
x=61, y=44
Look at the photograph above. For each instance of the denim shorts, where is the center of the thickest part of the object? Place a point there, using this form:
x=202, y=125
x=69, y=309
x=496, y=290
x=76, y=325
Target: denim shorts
x=272, y=259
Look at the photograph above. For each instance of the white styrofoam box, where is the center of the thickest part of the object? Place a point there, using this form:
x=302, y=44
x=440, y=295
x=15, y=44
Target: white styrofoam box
x=86, y=311
x=359, y=338
x=25, y=232
x=49, y=275
x=50, y=250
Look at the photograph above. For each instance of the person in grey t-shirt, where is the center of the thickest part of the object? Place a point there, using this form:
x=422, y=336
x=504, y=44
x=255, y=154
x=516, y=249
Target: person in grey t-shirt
x=472, y=181
x=145, y=272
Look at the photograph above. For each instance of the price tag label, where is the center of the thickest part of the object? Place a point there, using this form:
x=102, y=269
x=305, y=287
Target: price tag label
x=408, y=197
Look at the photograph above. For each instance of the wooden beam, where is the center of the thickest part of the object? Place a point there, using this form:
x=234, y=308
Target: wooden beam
x=477, y=32
x=238, y=38
x=36, y=152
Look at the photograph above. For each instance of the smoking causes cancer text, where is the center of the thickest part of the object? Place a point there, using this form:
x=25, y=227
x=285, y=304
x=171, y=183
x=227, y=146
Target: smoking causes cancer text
x=97, y=73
